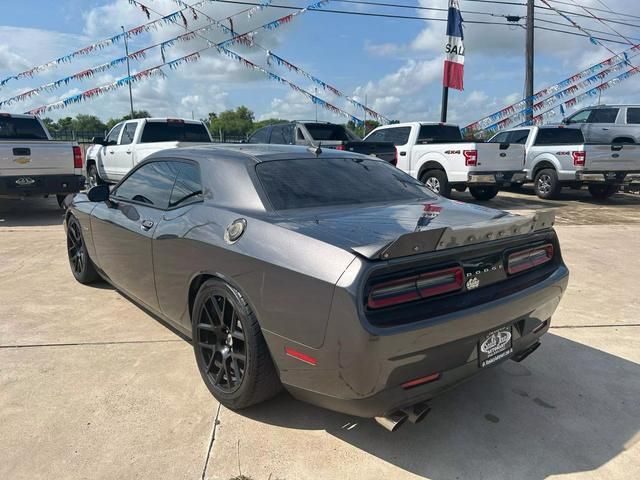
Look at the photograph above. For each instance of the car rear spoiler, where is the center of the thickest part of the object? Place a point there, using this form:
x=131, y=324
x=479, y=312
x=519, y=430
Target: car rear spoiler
x=432, y=240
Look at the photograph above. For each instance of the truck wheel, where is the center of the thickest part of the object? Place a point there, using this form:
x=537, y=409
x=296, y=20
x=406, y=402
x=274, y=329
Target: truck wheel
x=231, y=353
x=546, y=184
x=93, y=177
x=602, y=192
x=460, y=188
x=437, y=181
x=483, y=193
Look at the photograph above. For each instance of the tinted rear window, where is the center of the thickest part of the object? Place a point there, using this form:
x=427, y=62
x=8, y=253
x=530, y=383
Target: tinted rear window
x=327, y=131
x=439, y=134
x=21, y=129
x=174, y=131
x=559, y=136
x=633, y=115
x=395, y=135
x=337, y=181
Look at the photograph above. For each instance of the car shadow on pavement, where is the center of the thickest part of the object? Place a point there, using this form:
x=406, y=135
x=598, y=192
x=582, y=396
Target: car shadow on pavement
x=568, y=408
x=30, y=212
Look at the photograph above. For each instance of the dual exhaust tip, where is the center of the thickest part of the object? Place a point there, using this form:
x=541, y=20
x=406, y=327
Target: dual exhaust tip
x=394, y=420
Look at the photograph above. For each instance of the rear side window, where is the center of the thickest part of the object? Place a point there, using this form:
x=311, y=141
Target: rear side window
x=633, y=115
x=112, y=138
x=188, y=186
x=346, y=181
x=396, y=135
x=518, y=136
x=151, y=184
x=128, y=133
x=330, y=132
x=277, y=135
x=21, y=129
x=174, y=131
x=603, y=115
x=260, y=136
x=559, y=136
x=439, y=134
x=502, y=137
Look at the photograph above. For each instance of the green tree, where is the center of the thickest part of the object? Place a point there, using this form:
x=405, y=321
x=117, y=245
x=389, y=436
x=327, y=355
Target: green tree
x=88, y=123
x=238, y=122
x=65, y=123
x=268, y=121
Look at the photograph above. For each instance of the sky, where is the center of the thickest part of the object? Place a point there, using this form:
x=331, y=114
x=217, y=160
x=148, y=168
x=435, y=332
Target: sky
x=395, y=64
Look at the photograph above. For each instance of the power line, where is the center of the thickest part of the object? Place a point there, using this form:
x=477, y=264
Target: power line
x=609, y=10
x=605, y=24
x=552, y=22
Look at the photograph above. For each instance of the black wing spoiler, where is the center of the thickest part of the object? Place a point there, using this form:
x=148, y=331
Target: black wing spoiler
x=450, y=237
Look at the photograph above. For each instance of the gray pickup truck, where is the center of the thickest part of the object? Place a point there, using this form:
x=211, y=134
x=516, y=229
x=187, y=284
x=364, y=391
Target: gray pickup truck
x=607, y=123
x=32, y=164
x=329, y=135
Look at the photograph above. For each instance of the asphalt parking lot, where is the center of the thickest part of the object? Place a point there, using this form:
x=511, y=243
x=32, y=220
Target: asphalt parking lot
x=93, y=387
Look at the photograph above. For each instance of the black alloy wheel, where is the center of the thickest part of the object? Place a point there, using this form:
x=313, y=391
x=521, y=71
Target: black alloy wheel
x=221, y=342
x=231, y=352
x=79, y=261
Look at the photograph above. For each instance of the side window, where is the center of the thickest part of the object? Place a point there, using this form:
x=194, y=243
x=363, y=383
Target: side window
x=277, y=135
x=502, y=137
x=287, y=132
x=188, y=186
x=398, y=135
x=128, y=133
x=377, y=136
x=603, y=115
x=150, y=184
x=519, y=136
x=300, y=135
x=260, y=136
x=580, y=117
x=633, y=115
x=112, y=138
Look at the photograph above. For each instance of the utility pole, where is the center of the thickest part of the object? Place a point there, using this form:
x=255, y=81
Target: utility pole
x=126, y=49
x=529, y=53
x=316, y=94
x=445, y=102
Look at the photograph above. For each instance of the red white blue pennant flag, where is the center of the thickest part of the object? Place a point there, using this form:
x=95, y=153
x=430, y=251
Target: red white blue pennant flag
x=454, y=48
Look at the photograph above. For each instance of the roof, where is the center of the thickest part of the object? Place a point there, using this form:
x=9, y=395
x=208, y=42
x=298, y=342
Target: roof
x=411, y=124
x=258, y=152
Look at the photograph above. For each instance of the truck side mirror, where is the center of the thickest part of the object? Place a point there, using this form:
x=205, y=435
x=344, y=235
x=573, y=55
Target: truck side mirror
x=98, y=141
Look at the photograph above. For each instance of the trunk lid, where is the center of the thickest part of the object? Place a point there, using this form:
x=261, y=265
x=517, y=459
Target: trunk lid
x=497, y=157
x=404, y=229
x=38, y=157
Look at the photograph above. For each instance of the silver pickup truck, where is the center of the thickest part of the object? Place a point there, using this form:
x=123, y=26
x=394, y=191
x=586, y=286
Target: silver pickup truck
x=557, y=157
x=32, y=164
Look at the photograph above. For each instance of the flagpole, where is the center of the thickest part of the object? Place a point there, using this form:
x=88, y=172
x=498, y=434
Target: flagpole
x=445, y=104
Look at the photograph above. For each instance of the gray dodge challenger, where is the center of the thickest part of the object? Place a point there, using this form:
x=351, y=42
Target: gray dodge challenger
x=331, y=274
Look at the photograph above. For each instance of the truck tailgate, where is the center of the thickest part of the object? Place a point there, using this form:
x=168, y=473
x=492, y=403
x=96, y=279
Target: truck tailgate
x=36, y=158
x=499, y=157
x=612, y=157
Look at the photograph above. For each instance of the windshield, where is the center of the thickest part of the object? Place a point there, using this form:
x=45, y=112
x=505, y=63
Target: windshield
x=175, y=132
x=328, y=131
x=307, y=183
x=21, y=129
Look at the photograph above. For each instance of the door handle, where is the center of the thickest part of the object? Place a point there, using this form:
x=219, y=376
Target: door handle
x=146, y=225
x=129, y=152
x=604, y=128
x=111, y=152
x=403, y=154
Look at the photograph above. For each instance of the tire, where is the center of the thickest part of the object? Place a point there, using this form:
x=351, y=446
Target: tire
x=93, y=177
x=602, y=191
x=437, y=181
x=231, y=353
x=81, y=265
x=546, y=184
x=460, y=188
x=483, y=193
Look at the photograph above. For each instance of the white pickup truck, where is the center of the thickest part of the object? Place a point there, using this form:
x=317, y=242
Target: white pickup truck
x=131, y=141
x=557, y=157
x=32, y=164
x=436, y=154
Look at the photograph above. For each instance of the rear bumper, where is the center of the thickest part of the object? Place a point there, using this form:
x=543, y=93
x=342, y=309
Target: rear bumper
x=36, y=185
x=361, y=373
x=607, y=177
x=496, y=178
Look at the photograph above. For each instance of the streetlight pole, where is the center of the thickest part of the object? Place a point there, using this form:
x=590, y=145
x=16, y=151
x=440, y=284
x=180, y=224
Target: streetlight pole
x=529, y=72
x=126, y=49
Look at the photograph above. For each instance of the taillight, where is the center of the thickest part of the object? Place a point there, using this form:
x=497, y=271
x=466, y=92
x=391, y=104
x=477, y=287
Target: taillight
x=416, y=287
x=340, y=147
x=77, y=157
x=470, y=157
x=579, y=158
x=526, y=259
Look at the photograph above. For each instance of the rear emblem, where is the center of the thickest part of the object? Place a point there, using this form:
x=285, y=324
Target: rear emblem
x=472, y=283
x=22, y=160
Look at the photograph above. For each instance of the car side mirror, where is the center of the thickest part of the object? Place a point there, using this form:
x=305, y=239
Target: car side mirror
x=99, y=193
x=98, y=141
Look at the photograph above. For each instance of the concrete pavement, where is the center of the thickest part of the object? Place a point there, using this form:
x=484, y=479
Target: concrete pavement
x=93, y=387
